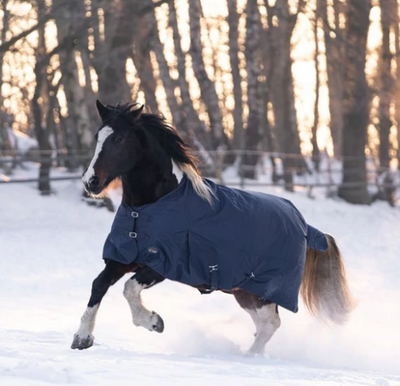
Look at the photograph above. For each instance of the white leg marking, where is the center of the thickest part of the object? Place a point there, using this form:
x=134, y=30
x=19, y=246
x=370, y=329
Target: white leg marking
x=88, y=321
x=268, y=322
x=102, y=135
x=177, y=171
x=141, y=316
x=254, y=315
x=83, y=337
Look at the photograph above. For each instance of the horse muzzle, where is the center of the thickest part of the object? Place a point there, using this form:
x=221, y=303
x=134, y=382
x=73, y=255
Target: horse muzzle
x=93, y=185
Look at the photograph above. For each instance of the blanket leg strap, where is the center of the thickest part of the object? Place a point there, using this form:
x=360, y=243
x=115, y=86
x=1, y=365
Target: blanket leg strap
x=214, y=277
x=213, y=269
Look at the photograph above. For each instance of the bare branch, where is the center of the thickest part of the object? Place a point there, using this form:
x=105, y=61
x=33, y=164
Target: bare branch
x=9, y=43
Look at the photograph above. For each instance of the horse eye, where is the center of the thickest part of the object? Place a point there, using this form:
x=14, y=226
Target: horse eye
x=119, y=139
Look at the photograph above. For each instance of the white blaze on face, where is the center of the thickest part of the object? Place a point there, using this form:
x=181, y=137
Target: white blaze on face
x=102, y=135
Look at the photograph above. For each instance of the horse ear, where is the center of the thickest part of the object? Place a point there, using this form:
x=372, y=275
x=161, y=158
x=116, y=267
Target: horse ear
x=137, y=113
x=102, y=110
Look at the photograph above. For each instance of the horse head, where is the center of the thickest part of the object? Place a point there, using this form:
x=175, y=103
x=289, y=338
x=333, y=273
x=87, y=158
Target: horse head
x=144, y=151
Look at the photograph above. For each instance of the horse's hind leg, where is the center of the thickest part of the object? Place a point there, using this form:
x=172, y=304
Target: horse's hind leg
x=269, y=322
x=144, y=278
x=111, y=274
x=265, y=316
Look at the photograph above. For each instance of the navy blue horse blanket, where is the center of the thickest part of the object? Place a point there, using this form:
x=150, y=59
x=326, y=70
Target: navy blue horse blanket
x=248, y=240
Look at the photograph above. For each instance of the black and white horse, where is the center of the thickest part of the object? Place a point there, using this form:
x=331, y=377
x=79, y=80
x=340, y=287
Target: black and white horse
x=151, y=159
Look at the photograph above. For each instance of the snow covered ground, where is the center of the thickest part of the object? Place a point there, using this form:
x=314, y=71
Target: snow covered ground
x=50, y=250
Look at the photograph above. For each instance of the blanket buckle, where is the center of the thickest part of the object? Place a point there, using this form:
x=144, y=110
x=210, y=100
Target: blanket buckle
x=213, y=268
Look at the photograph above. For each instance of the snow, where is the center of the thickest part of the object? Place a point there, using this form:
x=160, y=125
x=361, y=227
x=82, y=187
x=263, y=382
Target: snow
x=20, y=141
x=50, y=250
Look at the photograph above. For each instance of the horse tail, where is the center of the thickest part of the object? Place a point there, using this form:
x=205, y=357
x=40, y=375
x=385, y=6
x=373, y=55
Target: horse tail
x=324, y=289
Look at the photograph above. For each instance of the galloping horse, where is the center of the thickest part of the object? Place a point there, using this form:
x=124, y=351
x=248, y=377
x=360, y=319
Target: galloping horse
x=174, y=224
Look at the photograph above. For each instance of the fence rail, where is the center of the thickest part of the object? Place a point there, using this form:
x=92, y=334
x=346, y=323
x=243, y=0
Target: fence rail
x=270, y=164
x=8, y=180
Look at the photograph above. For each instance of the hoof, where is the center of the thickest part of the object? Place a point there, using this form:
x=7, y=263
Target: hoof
x=254, y=352
x=157, y=323
x=82, y=343
x=153, y=322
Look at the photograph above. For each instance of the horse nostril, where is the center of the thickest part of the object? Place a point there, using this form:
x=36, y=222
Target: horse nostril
x=94, y=181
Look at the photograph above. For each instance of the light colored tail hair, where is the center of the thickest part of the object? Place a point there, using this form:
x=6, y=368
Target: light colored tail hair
x=324, y=288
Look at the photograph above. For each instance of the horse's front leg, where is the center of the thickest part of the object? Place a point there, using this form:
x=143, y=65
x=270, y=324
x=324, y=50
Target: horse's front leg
x=111, y=274
x=144, y=278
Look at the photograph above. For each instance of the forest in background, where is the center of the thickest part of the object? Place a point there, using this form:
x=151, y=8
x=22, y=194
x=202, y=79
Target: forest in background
x=298, y=79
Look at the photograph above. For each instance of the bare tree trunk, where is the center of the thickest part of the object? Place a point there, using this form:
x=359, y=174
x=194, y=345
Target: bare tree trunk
x=83, y=47
x=396, y=26
x=315, y=150
x=386, y=89
x=4, y=140
x=129, y=31
x=194, y=125
x=269, y=135
x=142, y=60
x=254, y=98
x=4, y=30
x=282, y=92
x=42, y=132
x=233, y=22
x=144, y=67
x=169, y=84
x=207, y=88
x=334, y=61
x=356, y=106
x=111, y=61
x=69, y=26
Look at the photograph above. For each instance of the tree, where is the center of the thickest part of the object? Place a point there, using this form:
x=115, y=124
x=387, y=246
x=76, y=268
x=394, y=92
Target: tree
x=388, y=8
x=207, y=88
x=83, y=41
x=169, y=84
x=112, y=53
x=38, y=106
x=4, y=140
x=355, y=108
x=282, y=89
x=254, y=98
x=70, y=27
x=195, y=127
x=315, y=150
x=396, y=24
x=233, y=22
x=142, y=60
x=334, y=51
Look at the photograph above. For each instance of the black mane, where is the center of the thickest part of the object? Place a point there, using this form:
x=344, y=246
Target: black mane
x=157, y=126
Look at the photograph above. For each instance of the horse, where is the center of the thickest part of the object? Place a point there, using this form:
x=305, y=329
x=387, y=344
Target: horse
x=175, y=224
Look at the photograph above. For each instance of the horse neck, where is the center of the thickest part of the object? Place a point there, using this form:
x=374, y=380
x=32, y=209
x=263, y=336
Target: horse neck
x=148, y=182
